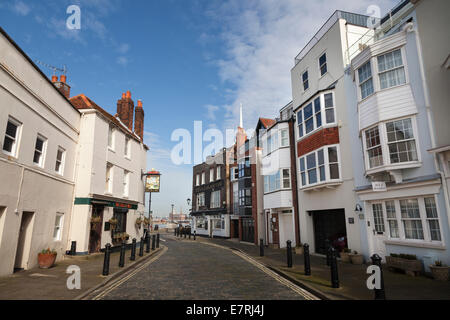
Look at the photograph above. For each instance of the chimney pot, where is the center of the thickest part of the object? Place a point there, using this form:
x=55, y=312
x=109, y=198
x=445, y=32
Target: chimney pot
x=139, y=103
x=123, y=95
x=128, y=94
x=63, y=78
x=54, y=78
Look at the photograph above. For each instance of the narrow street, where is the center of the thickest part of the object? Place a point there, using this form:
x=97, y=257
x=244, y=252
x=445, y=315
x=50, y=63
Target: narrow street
x=195, y=271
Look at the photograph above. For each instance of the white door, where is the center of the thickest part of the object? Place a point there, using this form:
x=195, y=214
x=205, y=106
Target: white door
x=378, y=229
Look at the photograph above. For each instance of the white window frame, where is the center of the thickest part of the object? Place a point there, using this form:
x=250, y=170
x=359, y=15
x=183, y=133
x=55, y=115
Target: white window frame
x=126, y=183
x=218, y=173
x=422, y=217
x=127, y=151
x=371, y=79
x=197, y=179
x=15, y=148
x=302, y=134
x=203, y=178
x=42, y=152
x=58, y=228
x=403, y=66
x=215, y=200
x=326, y=164
x=200, y=200
x=211, y=175
x=305, y=80
x=382, y=130
x=111, y=137
x=286, y=131
x=62, y=162
x=109, y=180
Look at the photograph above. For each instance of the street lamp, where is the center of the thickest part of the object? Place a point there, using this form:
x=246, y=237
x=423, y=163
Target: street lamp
x=152, y=184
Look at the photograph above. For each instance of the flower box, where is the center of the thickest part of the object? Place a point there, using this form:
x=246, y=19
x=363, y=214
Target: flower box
x=46, y=259
x=411, y=267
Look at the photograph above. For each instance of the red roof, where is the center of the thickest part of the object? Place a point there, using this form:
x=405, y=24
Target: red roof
x=267, y=122
x=82, y=102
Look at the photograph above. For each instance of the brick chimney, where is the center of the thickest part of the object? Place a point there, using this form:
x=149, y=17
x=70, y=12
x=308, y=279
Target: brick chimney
x=139, y=120
x=125, y=110
x=62, y=85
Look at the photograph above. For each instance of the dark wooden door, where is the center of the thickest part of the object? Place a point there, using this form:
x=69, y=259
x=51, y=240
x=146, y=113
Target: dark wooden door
x=95, y=236
x=275, y=229
x=328, y=225
x=248, y=230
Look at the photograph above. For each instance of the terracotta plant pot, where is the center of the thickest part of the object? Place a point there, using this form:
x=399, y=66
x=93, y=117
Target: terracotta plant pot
x=357, y=258
x=46, y=260
x=440, y=273
x=345, y=257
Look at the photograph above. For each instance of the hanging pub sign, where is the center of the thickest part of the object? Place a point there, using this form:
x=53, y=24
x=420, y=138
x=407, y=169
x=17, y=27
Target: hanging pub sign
x=152, y=183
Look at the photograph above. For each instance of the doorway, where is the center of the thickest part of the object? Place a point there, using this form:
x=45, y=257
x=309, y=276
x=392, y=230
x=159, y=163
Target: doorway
x=235, y=229
x=24, y=241
x=329, y=229
x=95, y=234
x=275, y=228
x=248, y=230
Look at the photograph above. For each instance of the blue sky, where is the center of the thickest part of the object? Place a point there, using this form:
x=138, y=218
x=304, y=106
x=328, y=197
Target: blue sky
x=186, y=60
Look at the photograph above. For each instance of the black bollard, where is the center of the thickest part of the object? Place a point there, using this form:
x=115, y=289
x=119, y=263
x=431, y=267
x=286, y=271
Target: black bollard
x=289, y=253
x=261, y=247
x=147, y=243
x=73, y=248
x=122, y=255
x=334, y=269
x=328, y=248
x=153, y=242
x=185, y=233
x=195, y=233
x=106, y=260
x=175, y=231
x=157, y=240
x=306, y=258
x=189, y=234
x=133, y=250
x=141, y=247
x=380, y=294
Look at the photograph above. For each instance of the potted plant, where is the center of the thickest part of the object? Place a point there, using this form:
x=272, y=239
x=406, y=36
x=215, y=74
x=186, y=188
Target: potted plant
x=406, y=262
x=113, y=223
x=95, y=220
x=125, y=236
x=356, y=258
x=46, y=258
x=138, y=222
x=299, y=249
x=440, y=271
x=345, y=255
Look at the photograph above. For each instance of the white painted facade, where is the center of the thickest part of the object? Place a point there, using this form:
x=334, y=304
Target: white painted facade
x=279, y=219
x=94, y=156
x=33, y=195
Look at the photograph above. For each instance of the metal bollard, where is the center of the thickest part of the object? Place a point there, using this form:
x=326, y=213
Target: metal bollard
x=122, y=255
x=147, y=243
x=106, y=260
x=306, y=258
x=73, y=248
x=133, y=250
x=289, y=253
x=141, y=247
x=189, y=234
x=328, y=247
x=157, y=240
x=195, y=233
x=153, y=242
x=380, y=294
x=175, y=231
x=261, y=247
x=185, y=233
x=334, y=269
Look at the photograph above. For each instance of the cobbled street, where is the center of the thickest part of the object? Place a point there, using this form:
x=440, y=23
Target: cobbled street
x=191, y=270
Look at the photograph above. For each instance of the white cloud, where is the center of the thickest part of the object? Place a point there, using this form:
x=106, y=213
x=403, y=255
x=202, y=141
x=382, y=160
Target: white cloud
x=211, y=111
x=21, y=8
x=262, y=38
x=123, y=48
x=123, y=61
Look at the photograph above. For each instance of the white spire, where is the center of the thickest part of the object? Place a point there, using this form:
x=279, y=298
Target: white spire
x=241, y=124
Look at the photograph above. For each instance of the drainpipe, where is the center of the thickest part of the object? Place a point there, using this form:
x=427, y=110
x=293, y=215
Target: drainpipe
x=409, y=27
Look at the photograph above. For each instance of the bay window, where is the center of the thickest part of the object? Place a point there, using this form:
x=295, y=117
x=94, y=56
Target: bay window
x=390, y=69
x=373, y=147
x=320, y=166
x=284, y=137
x=278, y=181
x=310, y=117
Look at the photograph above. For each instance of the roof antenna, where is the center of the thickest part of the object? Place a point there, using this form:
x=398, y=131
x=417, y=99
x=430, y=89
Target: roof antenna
x=53, y=68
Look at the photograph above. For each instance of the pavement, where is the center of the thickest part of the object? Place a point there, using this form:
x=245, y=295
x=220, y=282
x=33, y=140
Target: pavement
x=191, y=270
x=352, y=278
x=51, y=284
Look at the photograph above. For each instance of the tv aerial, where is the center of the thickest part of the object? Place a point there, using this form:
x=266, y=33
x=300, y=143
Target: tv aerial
x=53, y=68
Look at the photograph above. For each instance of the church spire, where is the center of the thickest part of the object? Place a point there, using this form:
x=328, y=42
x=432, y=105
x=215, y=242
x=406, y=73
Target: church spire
x=241, y=122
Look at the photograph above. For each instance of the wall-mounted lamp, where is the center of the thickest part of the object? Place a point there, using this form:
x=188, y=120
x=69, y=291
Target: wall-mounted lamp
x=358, y=208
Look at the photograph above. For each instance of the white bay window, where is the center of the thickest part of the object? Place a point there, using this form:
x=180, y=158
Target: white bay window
x=390, y=69
x=310, y=117
x=320, y=166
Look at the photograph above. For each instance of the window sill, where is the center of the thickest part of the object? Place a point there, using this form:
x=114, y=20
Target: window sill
x=328, y=184
x=279, y=190
x=111, y=149
x=128, y=158
x=397, y=166
x=418, y=244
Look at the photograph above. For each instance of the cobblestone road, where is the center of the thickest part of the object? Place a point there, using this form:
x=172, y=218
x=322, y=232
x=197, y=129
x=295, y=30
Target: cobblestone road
x=194, y=271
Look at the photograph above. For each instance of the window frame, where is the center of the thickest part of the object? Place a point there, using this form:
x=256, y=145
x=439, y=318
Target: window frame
x=42, y=152
x=403, y=66
x=62, y=161
x=126, y=183
x=323, y=112
x=211, y=175
x=305, y=88
x=109, y=178
x=127, y=150
x=370, y=78
x=215, y=202
x=326, y=165
x=111, y=137
x=324, y=64
x=218, y=173
x=15, y=149
x=58, y=227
